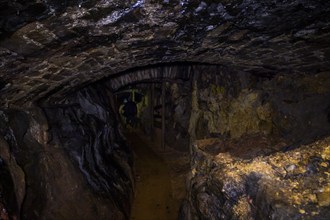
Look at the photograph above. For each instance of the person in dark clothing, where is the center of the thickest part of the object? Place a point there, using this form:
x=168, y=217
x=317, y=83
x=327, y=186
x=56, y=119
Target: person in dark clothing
x=130, y=111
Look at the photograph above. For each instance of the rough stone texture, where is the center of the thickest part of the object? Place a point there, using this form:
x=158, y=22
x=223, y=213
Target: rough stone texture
x=240, y=175
x=220, y=102
x=232, y=104
x=87, y=128
x=81, y=137
x=178, y=115
x=76, y=163
x=239, y=181
x=49, y=47
x=12, y=181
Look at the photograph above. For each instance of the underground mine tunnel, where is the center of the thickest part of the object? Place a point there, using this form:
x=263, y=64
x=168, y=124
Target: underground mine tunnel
x=164, y=109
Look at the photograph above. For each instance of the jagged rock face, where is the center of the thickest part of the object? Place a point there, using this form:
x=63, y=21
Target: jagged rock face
x=257, y=168
x=228, y=181
x=48, y=47
x=179, y=111
x=87, y=128
x=230, y=104
x=66, y=161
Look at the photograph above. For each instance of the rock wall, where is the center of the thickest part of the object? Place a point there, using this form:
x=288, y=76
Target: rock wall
x=232, y=180
x=255, y=167
x=23, y=153
x=178, y=115
x=232, y=104
x=68, y=160
x=12, y=180
x=218, y=102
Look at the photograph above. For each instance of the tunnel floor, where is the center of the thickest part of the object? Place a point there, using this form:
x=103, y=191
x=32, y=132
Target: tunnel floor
x=157, y=182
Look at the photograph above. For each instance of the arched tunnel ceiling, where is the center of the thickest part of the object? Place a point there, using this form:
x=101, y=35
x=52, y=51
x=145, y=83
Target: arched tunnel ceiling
x=171, y=72
x=49, y=47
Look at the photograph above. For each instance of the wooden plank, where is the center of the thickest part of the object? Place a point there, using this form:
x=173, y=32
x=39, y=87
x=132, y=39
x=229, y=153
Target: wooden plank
x=163, y=115
x=152, y=103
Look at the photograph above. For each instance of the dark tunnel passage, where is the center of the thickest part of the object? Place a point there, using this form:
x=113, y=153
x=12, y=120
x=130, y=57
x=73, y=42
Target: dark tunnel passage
x=149, y=110
x=194, y=112
x=190, y=120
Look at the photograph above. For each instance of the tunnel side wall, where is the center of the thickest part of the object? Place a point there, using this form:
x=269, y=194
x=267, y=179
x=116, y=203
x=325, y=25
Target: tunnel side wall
x=231, y=104
x=67, y=160
x=224, y=103
x=178, y=111
x=87, y=128
x=259, y=146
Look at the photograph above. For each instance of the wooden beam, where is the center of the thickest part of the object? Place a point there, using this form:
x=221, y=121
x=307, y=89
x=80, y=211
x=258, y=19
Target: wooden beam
x=163, y=115
x=152, y=104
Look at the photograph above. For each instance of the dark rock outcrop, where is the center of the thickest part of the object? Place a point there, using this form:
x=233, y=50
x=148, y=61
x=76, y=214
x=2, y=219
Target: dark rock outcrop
x=234, y=183
x=257, y=168
x=86, y=127
x=76, y=162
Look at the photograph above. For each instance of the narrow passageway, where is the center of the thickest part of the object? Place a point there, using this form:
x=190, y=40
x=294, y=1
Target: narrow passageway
x=153, y=193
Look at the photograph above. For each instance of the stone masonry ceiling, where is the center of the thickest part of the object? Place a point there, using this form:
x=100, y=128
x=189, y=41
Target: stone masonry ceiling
x=50, y=47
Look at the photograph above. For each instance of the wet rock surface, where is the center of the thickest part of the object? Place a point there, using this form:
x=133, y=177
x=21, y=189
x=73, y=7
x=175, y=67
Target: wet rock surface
x=87, y=129
x=48, y=47
x=71, y=158
x=224, y=184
